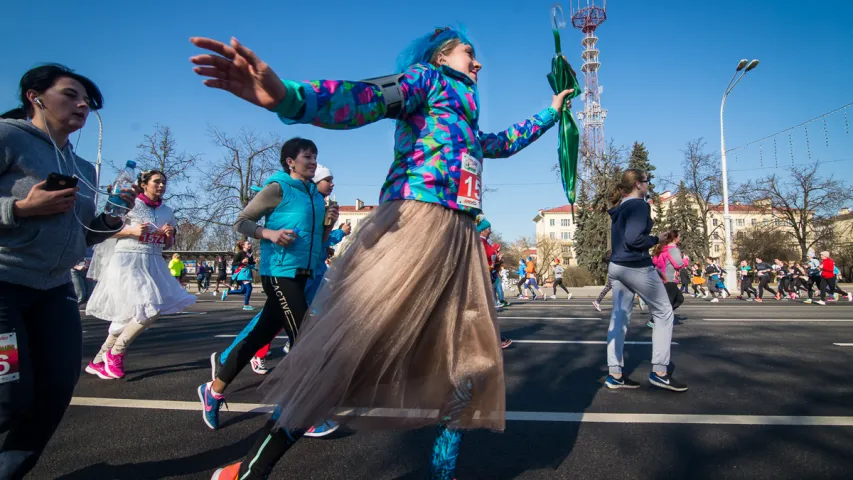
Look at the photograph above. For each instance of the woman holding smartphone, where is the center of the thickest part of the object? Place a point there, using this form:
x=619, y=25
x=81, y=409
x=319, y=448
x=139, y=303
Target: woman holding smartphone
x=43, y=234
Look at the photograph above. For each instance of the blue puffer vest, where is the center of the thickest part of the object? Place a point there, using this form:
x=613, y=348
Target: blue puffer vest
x=301, y=207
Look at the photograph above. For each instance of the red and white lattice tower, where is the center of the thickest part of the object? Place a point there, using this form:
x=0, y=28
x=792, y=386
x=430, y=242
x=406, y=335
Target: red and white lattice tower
x=587, y=19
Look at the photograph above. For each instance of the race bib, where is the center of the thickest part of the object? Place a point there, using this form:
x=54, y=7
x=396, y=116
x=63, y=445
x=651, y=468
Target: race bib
x=9, y=358
x=153, y=239
x=469, y=182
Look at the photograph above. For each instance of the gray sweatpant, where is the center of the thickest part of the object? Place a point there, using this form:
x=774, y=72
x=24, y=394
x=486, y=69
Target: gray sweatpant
x=646, y=283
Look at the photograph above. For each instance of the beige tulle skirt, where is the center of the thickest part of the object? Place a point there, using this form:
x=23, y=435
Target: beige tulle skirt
x=403, y=330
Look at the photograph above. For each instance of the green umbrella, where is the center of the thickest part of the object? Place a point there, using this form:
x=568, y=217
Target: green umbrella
x=562, y=77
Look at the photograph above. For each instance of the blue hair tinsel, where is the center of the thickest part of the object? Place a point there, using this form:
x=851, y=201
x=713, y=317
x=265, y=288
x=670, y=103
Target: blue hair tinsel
x=422, y=48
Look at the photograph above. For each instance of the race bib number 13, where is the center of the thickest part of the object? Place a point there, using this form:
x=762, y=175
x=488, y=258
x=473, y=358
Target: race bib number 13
x=9, y=358
x=469, y=182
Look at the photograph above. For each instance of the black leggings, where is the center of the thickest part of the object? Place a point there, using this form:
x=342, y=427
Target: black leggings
x=832, y=283
x=49, y=338
x=697, y=289
x=746, y=288
x=676, y=298
x=285, y=308
x=520, y=285
x=559, y=282
x=762, y=286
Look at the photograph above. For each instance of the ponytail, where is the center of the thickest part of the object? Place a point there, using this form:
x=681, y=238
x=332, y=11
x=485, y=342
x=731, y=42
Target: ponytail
x=626, y=185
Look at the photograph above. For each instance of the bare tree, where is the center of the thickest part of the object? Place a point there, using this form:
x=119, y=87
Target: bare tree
x=247, y=160
x=158, y=151
x=189, y=236
x=805, y=203
x=703, y=180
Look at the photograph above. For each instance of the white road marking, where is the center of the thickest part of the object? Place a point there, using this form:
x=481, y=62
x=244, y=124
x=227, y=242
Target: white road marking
x=569, y=417
x=551, y=318
x=580, y=342
x=235, y=336
x=775, y=320
x=844, y=344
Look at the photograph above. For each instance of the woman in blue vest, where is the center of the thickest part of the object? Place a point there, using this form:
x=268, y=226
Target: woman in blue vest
x=291, y=246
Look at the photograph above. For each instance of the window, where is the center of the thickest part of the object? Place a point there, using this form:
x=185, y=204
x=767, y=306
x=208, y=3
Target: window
x=551, y=222
x=740, y=222
x=714, y=222
x=754, y=222
x=567, y=236
x=564, y=222
x=739, y=235
x=348, y=221
x=716, y=249
x=552, y=234
x=716, y=236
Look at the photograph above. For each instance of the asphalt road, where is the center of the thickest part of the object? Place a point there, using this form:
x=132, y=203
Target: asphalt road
x=770, y=398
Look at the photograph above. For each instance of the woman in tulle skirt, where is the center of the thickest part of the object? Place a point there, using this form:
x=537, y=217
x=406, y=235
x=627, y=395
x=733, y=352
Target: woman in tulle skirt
x=404, y=333
x=134, y=285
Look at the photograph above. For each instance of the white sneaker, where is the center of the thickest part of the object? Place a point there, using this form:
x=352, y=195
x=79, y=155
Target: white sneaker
x=569, y=297
x=596, y=305
x=553, y=297
x=286, y=348
x=706, y=295
x=259, y=366
x=715, y=300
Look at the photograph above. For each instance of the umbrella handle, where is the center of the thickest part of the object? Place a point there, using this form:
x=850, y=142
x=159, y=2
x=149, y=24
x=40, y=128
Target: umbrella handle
x=557, y=22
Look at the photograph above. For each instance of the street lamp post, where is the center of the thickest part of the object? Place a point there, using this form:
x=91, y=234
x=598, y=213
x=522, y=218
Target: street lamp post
x=731, y=279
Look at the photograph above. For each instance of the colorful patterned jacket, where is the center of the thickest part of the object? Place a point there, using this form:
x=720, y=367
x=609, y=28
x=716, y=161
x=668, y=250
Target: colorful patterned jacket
x=437, y=129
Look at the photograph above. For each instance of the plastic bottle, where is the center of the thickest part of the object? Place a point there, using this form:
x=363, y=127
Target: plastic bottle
x=124, y=181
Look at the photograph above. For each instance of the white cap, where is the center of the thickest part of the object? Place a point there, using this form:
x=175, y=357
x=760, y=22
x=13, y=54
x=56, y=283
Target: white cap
x=321, y=173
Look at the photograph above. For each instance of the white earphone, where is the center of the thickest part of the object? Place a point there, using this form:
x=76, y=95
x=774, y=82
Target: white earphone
x=37, y=101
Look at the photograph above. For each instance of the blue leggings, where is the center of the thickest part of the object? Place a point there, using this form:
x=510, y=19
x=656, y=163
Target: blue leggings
x=245, y=289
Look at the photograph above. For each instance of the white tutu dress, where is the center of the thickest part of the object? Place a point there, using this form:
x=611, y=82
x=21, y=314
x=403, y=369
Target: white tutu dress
x=134, y=283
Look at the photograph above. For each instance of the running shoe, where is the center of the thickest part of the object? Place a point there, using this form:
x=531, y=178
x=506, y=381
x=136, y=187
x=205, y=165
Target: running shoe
x=666, y=382
x=642, y=306
x=286, y=348
x=534, y=297
x=505, y=303
x=820, y=302
x=778, y=296
x=614, y=383
x=750, y=300
x=715, y=300
x=114, y=364
x=706, y=295
x=224, y=295
x=211, y=403
x=596, y=305
x=99, y=370
x=259, y=365
x=740, y=297
x=850, y=297
x=214, y=293
x=214, y=365
x=248, y=308
x=322, y=429
x=650, y=324
x=505, y=342
x=759, y=300
x=227, y=473
x=553, y=297
x=808, y=300
x=835, y=296
x=570, y=296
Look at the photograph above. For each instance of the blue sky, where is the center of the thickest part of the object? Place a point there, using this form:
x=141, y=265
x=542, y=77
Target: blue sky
x=664, y=66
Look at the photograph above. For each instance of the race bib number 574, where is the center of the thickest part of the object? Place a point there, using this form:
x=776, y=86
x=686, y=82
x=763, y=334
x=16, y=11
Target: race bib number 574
x=9, y=358
x=469, y=182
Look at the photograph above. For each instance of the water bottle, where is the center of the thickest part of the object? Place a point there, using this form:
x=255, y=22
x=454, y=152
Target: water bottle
x=124, y=181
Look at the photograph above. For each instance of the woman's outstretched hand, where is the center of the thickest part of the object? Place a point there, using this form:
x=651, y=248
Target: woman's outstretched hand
x=238, y=70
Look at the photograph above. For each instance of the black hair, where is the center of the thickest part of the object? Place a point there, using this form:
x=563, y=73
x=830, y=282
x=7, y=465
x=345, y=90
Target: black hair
x=42, y=78
x=146, y=175
x=293, y=147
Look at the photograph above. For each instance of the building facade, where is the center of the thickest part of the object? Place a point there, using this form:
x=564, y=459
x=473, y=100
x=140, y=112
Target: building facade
x=557, y=224
x=352, y=215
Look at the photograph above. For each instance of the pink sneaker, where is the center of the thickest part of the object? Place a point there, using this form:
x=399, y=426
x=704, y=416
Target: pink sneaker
x=114, y=364
x=99, y=370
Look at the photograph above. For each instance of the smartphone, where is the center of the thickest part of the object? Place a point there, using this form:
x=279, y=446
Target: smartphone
x=57, y=181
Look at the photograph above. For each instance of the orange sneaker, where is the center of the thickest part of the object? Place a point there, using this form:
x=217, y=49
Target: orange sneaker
x=227, y=473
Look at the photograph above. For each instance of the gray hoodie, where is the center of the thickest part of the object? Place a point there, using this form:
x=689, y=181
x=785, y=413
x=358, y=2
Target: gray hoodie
x=39, y=252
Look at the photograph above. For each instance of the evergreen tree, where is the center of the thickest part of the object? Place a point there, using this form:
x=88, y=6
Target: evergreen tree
x=682, y=216
x=592, y=236
x=639, y=159
x=661, y=223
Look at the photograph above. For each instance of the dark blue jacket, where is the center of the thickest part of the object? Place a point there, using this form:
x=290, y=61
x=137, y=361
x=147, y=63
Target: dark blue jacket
x=631, y=222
